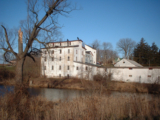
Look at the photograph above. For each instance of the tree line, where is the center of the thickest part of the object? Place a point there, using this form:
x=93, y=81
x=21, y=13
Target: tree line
x=105, y=53
x=145, y=54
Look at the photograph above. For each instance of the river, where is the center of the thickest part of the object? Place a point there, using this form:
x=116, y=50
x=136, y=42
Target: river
x=67, y=94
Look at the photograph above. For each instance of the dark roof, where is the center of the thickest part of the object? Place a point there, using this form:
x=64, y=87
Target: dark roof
x=87, y=64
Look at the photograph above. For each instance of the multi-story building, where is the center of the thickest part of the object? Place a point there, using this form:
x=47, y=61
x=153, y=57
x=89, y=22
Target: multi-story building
x=68, y=58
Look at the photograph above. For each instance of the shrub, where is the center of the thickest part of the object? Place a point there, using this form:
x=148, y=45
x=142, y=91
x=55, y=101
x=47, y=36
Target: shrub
x=6, y=74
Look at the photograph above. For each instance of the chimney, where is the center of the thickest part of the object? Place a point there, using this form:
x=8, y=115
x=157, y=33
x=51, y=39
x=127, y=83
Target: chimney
x=20, y=42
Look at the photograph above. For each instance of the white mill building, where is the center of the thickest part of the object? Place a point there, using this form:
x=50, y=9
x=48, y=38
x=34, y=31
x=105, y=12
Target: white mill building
x=68, y=58
x=73, y=59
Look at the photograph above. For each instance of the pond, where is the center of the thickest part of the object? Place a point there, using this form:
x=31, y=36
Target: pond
x=67, y=94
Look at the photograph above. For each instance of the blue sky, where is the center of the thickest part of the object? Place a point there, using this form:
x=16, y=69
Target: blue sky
x=104, y=20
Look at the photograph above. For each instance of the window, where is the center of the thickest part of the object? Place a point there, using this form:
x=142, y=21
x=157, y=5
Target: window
x=130, y=75
x=68, y=68
x=68, y=75
x=45, y=52
x=68, y=50
x=59, y=67
x=59, y=75
x=86, y=68
x=60, y=51
x=149, y=75
x=52, y=51
x=44, y=67
x=76, y=58
x=69, y=43
x=158, y=78
x=68, y=58
x=77, y=68
x=123, y=61
x=59, y=58
x=82, y=59
x=45, y=59
x=76, y=51
x=82, y=52
x=60, y=44
x=52, y=58
x=52, y=67
x=130, y=68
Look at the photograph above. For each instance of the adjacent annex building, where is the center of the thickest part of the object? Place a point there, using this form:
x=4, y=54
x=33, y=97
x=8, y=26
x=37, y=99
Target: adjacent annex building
x=68, y=59
x=74, y=59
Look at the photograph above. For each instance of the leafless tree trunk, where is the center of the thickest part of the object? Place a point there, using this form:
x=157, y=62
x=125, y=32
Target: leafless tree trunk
x=126, y=46
x=33, y=28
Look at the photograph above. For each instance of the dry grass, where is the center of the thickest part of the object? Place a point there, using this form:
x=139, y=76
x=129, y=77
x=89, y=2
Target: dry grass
x=93, y=107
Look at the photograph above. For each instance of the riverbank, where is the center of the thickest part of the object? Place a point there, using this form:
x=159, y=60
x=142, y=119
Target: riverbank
x=78, y=84
x=95, y=106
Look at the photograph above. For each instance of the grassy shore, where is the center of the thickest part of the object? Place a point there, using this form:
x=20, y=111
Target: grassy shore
x=86, y=85
x=20, y=105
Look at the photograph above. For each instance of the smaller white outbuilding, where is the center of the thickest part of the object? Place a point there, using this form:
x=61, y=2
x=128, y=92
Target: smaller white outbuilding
x=127, y=63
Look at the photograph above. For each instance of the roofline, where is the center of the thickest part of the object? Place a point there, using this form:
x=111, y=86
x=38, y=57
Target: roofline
x=65, y=41
x=91, y=47
x=87, y=64
x=131, y=67
x=61, y=47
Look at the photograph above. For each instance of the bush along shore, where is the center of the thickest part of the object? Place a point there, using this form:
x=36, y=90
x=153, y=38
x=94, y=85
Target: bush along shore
x=7, y=75
x=21, y=106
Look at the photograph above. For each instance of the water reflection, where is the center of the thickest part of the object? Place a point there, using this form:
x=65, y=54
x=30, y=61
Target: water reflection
x=56, y=94
x=65, y=94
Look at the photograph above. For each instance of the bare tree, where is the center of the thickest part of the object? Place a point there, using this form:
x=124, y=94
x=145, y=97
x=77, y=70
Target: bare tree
x=95, y=44
x=34, y=29
x=126, y=46
x=106, y=47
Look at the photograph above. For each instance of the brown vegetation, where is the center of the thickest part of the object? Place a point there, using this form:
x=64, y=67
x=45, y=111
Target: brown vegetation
x=94, y=107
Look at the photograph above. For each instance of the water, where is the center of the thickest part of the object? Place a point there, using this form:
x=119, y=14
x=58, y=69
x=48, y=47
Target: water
x=48, y=93
x=66, y=94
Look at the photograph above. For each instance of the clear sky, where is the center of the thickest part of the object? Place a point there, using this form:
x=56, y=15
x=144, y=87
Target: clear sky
x=104, y=20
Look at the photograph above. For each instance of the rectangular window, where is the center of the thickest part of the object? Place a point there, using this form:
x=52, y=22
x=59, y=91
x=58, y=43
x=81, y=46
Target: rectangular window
x=68, y=58
x=52, y=58
x=77, y=68
x=82, y=52
x=149, y=75
x=59, y=67
x=70, y=43
x=52, y=67
x=60, y=44
x=44, y=67
x=130, y=68
x=130, y=75
x=68, y=75
x=60, y=51
x=68, y=67
x=59, y=75
x=45, y=52
x=76, y=58
x=86, y=68
x=68, y=50
x=52, y=51
x=76, y=51
x=59, y=58
x=45, y=59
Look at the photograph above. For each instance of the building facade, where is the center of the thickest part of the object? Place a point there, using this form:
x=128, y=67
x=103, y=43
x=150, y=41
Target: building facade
x=67, y=59
x=73, y=59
